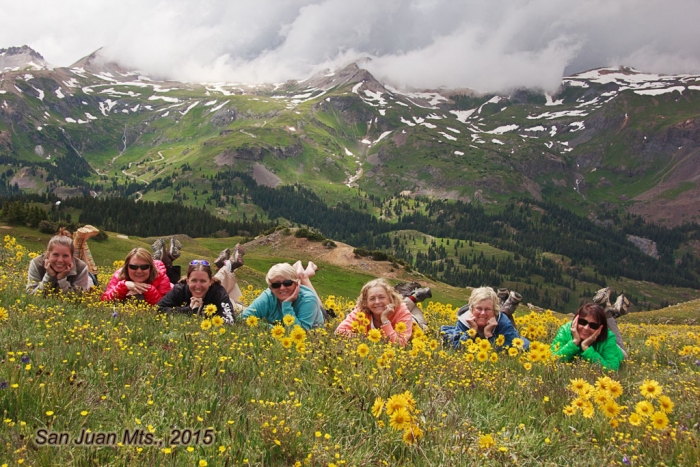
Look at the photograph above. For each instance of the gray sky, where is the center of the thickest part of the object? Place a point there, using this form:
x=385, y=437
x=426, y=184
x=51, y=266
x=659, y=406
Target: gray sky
x=486, y=45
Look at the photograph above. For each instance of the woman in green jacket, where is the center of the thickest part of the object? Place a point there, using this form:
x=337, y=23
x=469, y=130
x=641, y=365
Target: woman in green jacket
x=589, y=338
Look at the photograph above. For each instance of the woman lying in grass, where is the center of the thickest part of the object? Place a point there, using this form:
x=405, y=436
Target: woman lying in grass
x=141, y=277
x=482, y=318
x=588, y=337
x=379, y=306
x=58, y=269
x=198, y=289
x=286, y=296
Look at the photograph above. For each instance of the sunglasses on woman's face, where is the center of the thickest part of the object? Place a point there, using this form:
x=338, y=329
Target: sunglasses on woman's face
x=286, y=283
x=197, y=262
x=592, y=325
x=142, y=267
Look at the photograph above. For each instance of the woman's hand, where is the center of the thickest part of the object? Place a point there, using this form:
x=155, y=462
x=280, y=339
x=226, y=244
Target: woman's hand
x=136, y=288
x=471, y=320
x=49, y=269
x=196, y=303
x=490, y=326
x=294, y=294
x=590, y=339
x=574, y=331
x=387, y=313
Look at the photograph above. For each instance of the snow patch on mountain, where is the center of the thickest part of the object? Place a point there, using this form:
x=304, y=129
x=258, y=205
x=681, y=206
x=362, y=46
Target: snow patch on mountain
x=503, y=129
x=656, y=92
x=463, y=115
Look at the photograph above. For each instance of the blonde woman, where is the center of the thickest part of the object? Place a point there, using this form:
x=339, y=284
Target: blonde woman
x=58, y=269
x=384, y=309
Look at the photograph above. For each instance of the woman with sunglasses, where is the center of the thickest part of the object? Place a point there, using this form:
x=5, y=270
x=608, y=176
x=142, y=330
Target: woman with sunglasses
x=588, y=337
x=196, y=290
x=140, y=277
x=286, y=295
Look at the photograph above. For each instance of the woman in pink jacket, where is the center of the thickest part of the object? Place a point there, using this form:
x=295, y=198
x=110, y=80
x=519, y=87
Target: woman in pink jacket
x=141, y=277
x=383, y=309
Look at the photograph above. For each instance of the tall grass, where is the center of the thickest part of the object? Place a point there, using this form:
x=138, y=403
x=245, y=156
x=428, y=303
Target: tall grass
x=72, y=363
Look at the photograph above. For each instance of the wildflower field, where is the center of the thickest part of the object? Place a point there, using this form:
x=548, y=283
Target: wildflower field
x=90, y=383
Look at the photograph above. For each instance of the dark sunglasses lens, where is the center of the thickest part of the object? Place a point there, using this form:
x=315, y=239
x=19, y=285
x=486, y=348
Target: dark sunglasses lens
x=287, y=283
x=142, y=267
x=275, y=285
x=584, y=322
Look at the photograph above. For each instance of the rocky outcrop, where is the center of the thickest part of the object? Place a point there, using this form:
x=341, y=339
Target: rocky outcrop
x=647, y=246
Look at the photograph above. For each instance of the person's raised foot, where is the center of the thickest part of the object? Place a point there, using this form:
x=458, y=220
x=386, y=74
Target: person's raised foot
x=311, y=269
x=175, y=247
x=602, y=297
x=221, y=259
x=421, y=294
x=236, y=257
x=157, y=248
x=621, y=305
x=502, y=294
x=298, y=267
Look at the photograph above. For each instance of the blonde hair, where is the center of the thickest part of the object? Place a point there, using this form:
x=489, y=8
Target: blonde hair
x=283, y=270
x=63, y=238
x=485, y=293
x=143, y=255
x=394, y=296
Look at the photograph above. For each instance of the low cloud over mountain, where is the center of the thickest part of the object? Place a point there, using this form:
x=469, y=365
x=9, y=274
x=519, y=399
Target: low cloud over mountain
x=486, y=46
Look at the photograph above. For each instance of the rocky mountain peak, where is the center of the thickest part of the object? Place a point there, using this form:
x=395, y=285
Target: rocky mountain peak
x=21, y=58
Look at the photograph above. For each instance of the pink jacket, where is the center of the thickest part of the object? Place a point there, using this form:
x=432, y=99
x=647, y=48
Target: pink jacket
x=117, y=290
x=400, y=315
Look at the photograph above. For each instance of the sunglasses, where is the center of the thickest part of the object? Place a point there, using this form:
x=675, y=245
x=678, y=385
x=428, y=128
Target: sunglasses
x=197, y=262
x=286, y=283
x=584, y=322
x=142, y=267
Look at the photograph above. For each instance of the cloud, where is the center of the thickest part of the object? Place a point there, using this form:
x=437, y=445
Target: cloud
x=486, y=46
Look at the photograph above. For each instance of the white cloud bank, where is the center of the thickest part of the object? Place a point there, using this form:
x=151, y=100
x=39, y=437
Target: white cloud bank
x=487, y=46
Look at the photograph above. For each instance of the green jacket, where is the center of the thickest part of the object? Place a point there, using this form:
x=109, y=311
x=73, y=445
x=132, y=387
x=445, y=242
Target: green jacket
x=606, y=353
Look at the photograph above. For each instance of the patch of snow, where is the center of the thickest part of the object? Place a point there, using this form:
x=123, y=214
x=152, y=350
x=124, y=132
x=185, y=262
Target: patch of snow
x=463, y=115
x=38, y=128
x=551, y=102
x=553, y=131
x=694, y=88
x=549, y=144
x=576, y=84
x=59, y=94
x=356, y=87
x=452, y=130
x=402, y=103
x=493, y=100
x=503, y=129
x=210, y=103
x=366, y=141
x=18, y=89
x=418, y=119
x=448, y=136
x=382, y=136
x=382, y=112
x=459, y=153
x=576, y=126
x=407, y=122
x=106, y=106
x=429, y=125
x=218, y=107
x=434, y=117
x=89, y=116
x=192, y=106
x=348, y=153
x=563, y=113
x=135, y=108
x=656, y=92
x=41, y=93
x=27, y=77
x=165, y=98
x=70, y=120
x=166, y=114
x=291, y=128
x=497, y=141
x=2, y=91
x=536, y=128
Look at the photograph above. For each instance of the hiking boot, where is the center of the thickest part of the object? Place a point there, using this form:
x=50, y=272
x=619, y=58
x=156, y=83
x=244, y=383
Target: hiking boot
x=175, y=247
x=503, y=294
x=158, y=249
x=236, y=257
x=602, y=297
x=421, y=294
x=221, y=259
x=621, y=305
x=509, y=306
